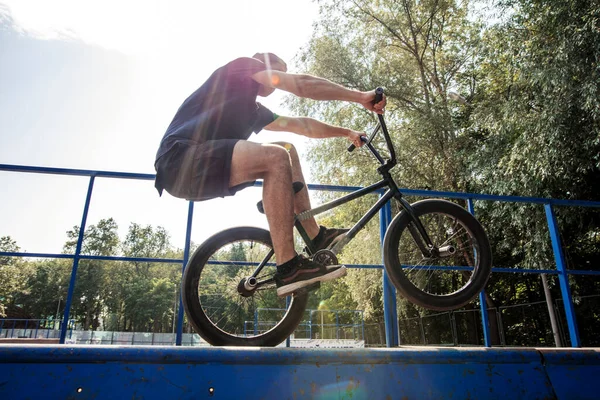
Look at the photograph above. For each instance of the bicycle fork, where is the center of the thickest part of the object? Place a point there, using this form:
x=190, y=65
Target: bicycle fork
x=420, y=236
x=416, y=228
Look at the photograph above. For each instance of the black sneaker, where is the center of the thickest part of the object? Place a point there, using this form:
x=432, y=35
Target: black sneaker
x=327, y=236
x=302, y=273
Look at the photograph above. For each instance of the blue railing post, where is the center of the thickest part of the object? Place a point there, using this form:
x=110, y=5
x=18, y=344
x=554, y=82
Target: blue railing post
x=255, y=322
x=390, y=313
x=67, y=310
x=186, y=257
x=563, y=277
x=310, y=324
x=288, y=341
x=362, y=317
x=485, y=319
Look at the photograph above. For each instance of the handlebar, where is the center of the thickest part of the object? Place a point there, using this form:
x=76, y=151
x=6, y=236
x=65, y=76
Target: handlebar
x=392, y=161
x=352, y=146
x=378, y=98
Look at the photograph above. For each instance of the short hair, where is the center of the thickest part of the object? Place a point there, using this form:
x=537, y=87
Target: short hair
x=269, y=59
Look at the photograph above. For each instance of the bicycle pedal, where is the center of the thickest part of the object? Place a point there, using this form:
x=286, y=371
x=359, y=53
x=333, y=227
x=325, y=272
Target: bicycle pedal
x=307, y=289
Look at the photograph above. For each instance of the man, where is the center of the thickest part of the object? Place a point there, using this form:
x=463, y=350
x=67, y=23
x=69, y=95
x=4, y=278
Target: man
x=205, y=153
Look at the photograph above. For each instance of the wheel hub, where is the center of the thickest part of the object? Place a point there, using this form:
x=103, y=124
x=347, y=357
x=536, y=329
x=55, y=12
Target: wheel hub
x=444, y=251
x=247, y=286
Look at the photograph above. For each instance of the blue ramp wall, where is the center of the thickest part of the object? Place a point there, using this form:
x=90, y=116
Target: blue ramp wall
x=107, y=372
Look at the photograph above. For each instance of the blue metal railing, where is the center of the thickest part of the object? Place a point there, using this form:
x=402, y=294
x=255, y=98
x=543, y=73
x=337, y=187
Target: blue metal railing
x=391, y=320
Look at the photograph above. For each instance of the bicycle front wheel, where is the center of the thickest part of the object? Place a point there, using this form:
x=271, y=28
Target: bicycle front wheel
x=216, y=302
x=456, y=271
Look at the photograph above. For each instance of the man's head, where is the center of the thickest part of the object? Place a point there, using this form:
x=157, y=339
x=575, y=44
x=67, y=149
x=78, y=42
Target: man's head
x=272, y=62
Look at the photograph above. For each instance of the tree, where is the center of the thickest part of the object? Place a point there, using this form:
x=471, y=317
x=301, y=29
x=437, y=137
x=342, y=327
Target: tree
x=525, y=123
x=145, y=242
x=136, y=280
x=90, y=290
x=418, y=52
x=13, y=273
x=44, y=289
x=535, y=116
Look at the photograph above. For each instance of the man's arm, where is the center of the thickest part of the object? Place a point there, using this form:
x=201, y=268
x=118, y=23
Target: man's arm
x=314, y=129
x=316, y=88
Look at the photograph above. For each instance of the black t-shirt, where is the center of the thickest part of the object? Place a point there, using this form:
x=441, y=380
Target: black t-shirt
x=224, y=107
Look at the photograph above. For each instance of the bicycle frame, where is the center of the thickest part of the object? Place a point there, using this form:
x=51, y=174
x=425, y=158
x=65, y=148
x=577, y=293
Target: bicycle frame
x=416, y=229
x=419, y=234
x=389, y=194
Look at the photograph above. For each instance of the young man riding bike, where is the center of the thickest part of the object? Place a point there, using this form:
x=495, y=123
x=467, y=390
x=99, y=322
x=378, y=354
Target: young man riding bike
x=205, y=153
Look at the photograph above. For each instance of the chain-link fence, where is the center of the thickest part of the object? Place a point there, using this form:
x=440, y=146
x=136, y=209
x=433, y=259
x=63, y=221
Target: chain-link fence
x=526, y=325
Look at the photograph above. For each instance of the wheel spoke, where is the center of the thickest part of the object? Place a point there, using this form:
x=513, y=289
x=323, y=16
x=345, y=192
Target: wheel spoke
x=223, y=304
x=425, y=273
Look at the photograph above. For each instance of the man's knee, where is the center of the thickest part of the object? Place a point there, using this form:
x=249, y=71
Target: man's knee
x=290, y=148
x=276, y=156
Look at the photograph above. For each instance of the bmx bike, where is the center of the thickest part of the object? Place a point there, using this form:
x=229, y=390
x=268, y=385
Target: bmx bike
x=435, y=253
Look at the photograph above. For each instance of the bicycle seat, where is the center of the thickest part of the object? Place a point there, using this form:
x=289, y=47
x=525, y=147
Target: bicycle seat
x=297, y=186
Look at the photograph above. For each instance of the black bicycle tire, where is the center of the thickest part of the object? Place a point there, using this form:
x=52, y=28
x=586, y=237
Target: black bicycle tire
x=200, y=321
x=396, y=274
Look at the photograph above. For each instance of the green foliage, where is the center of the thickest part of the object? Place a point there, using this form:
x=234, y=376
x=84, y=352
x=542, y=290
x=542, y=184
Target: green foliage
x=107, y=294
x=416, y=51
x=524, y=121
x=149, y=304
x=99, y=240
x=536, y=118
x=12, y=273
x=44, y=288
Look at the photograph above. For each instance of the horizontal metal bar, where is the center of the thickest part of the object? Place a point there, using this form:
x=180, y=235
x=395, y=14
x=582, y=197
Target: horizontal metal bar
x=366, y=266
x=75, y=172
x=25, y=319
x=582, y=272
x=525, y=271
x=229, y=263
x=511, y=199
x=35, y=255
x=464, y=196
x=89, y=257
x=308, y=309
x=141, y=259
x=330, y=188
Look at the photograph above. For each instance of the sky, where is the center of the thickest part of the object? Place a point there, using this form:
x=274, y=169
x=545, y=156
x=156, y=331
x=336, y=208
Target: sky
x=94, y=84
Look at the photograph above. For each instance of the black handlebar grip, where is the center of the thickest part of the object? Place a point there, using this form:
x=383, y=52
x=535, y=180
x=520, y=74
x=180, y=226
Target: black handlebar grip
x=352, y=146
x=378, y=95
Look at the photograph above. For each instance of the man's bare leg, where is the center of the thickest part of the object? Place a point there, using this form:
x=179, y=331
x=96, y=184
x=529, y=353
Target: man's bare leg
x=271, y=163
x=301, y=199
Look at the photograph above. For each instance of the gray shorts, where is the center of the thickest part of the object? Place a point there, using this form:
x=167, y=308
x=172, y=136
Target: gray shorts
x=197, y=171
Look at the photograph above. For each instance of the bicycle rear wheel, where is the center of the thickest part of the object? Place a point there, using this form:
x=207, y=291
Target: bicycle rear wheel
x=222, y=311
x=456, y=274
